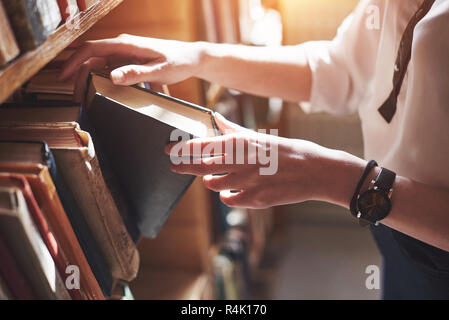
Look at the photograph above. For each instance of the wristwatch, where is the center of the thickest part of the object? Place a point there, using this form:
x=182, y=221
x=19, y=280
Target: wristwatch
x=374, y=205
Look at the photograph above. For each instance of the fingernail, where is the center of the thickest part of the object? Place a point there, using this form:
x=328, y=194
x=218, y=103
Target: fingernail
x=117, y=76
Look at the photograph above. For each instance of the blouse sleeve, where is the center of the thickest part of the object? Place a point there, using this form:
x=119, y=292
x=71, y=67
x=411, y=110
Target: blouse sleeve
x=343, y=67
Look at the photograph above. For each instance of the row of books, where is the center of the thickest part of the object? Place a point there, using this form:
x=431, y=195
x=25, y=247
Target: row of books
x=26, y=24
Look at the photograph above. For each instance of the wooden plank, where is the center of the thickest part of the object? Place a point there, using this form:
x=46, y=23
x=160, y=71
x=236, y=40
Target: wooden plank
x=22, y=69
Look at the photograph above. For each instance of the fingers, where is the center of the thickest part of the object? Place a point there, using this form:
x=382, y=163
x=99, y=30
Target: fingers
x=206, y=167
x=132, y=74
x=96, y=64
x=227, y=182
x=99, y=48
x=244, y=199
x=198, y=147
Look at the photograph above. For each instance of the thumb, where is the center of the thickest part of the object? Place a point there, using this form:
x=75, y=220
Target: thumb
x=226, y=126
x=132, y=74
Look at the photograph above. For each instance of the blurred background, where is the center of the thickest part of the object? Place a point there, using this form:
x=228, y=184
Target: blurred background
x=208, y=251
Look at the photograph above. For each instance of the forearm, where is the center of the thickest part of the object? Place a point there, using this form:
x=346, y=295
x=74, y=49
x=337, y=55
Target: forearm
x=419, y=210
x=264, y=71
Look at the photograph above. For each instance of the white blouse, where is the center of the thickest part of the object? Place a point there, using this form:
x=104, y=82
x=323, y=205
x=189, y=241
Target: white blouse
x=355, y=72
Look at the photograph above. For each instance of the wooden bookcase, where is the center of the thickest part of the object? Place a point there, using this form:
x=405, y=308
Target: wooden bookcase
x=23, y=68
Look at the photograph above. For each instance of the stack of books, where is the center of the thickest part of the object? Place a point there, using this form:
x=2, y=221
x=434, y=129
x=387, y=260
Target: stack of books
x=79, y=186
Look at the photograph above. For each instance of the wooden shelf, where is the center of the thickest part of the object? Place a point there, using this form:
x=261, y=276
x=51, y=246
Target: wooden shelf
x=23, y=68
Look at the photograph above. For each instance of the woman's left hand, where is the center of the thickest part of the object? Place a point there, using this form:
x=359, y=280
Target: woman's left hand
x=256, y=170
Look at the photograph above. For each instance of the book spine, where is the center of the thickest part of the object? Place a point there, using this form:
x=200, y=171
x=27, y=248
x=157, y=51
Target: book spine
x=83, y=233
x=47, y=236
x=82, y=174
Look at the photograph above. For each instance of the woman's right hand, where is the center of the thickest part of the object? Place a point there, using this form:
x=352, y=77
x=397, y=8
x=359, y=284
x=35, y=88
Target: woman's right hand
x=133, y=59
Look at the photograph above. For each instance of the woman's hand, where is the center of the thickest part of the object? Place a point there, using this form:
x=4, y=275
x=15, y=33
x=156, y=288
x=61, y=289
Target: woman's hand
x=132, y=59
x=272, y=171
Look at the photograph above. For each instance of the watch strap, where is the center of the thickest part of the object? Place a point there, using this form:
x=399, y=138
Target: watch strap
x=353, y=204
x=385, y=180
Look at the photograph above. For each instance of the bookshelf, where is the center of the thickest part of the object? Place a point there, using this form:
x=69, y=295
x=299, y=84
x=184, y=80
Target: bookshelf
x=23, y=68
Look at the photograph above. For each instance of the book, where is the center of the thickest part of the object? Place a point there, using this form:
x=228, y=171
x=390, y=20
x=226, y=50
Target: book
x=22, y=237
x=32, y=21
x=55, y=111
x=43, y=188
x=86, y=4
x=46, y=82
x=81, y=173
x=67, y=8
x=11, y=274
x=8, y=45
x=56, y=252
x=131, y=127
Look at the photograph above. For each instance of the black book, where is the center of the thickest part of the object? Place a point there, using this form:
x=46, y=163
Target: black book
x=130, y=127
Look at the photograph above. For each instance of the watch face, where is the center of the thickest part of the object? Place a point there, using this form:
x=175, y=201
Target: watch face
x=374, y=205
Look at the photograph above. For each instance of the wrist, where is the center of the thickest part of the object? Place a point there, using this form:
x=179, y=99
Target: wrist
x=202, y=49
x=340, y=174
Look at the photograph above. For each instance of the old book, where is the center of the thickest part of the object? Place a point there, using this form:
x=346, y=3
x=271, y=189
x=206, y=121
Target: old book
x=32, y=21
x=8, y=45
x=12, y=275
x=57, y=253
x=22, y=237
x=45, y=193
x=86, y=4
x=132, y=142
x=80, y=170
x=9, y=160
x=40, y=112
x=67, y=8
x=46, y=81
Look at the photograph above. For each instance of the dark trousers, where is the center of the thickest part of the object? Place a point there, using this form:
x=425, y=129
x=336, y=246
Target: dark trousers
x=411, y=269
